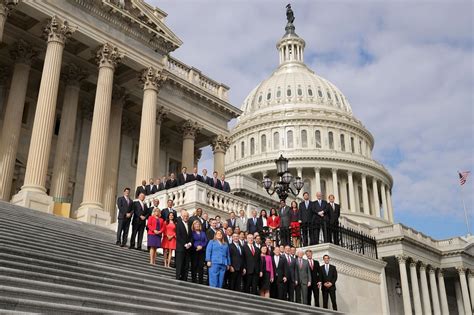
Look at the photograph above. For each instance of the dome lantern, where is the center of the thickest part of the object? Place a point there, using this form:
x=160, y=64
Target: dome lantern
x=291, y=46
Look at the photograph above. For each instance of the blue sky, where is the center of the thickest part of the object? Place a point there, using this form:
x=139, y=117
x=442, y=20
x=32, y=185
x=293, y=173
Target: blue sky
x=406, y=67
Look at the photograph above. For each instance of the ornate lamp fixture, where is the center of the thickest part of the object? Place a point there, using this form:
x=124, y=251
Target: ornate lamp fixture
x=283, y=187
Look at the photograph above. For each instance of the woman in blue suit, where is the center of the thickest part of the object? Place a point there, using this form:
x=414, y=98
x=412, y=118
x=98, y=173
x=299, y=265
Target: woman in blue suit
x=218, y=259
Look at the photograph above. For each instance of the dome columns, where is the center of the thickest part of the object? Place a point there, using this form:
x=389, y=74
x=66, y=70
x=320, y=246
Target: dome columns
x=219, y=145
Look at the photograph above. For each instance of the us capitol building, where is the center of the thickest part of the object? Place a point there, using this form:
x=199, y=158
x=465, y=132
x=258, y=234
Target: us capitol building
x=92, y=101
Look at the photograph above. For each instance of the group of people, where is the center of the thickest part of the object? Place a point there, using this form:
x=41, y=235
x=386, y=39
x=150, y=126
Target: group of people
x=163, y=183
x=257, y=254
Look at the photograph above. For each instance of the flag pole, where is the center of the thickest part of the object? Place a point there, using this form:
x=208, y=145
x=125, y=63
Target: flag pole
x=465, y=211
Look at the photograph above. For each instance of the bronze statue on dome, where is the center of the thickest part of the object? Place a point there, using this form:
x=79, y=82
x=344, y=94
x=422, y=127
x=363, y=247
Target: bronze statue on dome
x=290, y=16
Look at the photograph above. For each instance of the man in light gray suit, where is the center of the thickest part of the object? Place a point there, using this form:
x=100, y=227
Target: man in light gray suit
x=241, y=222
x=285, y=218
x=303, y=276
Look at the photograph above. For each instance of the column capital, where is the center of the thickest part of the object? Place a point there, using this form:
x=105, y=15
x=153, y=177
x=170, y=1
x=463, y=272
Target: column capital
x=190, y=129
x=470, y=274
x=108, y=55
x=152, y=78
x=422, y=266
x=461, y=270
x=57, y=30
x=317, y=169
x=413, y=263
x=220, y=143
x=432, y=270
x=401, y=259
x=362, y=175
x=334, y=170
x=161, y=114
x=349, y=172
x=73, y=75
x=440, y=272
x=23, y=52
x=6, y=6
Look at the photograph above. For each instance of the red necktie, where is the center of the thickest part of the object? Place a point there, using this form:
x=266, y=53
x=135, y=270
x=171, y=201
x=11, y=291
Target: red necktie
x=311, y=264
x=288, y=258
x=252, y=249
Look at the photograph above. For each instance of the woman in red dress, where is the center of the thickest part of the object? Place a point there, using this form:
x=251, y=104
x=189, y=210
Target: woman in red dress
x=295, y=224
x=169, y=239
x=155, y=230
x=273, y=222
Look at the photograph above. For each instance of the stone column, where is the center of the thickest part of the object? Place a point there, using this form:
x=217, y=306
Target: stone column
x=62, y=159
x=470, y=277
x=415, y=289
x=404, y=282
x=464, y=291
x=318, y=180
x=190, y=130
x=220, y=144
x=23, y=54
x=5, y=7
x=383, y=193
x=33, y=193
x=152, y=80
x=365, y=195
x=424, y=290
x=459, y=301
x=160, y=116
x=113, y=152
x=442, y=293
x=352, y=203
x=334, y=185
x=390, y=206
x=434, y=292
x=91, y=209
x=375, y=190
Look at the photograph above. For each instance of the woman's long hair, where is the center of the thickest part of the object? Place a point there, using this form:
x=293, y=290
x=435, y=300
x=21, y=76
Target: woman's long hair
x=222, y=239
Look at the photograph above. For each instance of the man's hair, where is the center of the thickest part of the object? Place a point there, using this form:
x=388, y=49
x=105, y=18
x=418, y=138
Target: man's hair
x=326, y=256
x=305, y=193
x=126, y=188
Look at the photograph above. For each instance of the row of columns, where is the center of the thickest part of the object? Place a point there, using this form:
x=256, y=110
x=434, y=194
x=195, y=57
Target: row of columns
x=419, y=301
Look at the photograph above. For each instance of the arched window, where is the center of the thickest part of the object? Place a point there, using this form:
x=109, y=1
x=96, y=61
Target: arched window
x=235, y=152
x=317, y=135
x=304, y=139
x=263, y=143
x=329, y=95
x=320, y=93
x=269, y=95
x=331, y=140
x=343, y=143
x=289, y=139
x=252, y=146
x=288, y=92
x=300, y=91
x=276, y=141
x=278, y=93
x=360, y=146
x=260, y=99
x=310, y=92
x=352, y=145
x=242, y=149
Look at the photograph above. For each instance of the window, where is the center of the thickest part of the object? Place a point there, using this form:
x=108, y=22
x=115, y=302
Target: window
x=288, y=92
x=343, y=144
x=331, y=140
x=289, y=139
x=318, y=139
x=300, y=91
x=360, y=147
x=352, y=145
x=304, y=139
x=329, y=95
x=278, y=93
x=260, y=99
x=276, y=141
x=269, y=95
x=235, y=152
x=242, y=149
x=263, y=143
x=310, y=92
x=252, y=146
x=337, y=99
x=320, y=93
x=361, y=201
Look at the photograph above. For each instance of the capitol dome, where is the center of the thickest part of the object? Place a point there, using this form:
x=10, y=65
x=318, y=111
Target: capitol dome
x=303, y=116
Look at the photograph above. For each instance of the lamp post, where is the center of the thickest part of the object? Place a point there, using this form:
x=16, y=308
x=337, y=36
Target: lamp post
x=283, y=187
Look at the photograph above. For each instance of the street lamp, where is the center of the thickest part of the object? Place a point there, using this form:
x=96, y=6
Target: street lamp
x=283, y=187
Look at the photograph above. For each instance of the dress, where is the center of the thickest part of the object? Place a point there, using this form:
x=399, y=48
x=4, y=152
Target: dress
x=264, y=283
x=170, y=230
x=295, y=225
x=154, y=240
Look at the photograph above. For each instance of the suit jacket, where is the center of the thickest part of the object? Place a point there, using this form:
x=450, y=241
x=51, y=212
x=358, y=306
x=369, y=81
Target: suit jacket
x=229, y=222
x=171, y=183
x=303, y=273
x=207, y=180
x=329, y=277
x=315, y=272
x=236, y=256
x=183, y=236
x=194, y=218
x=306, y=213
x=285, y=216
x=225, y=186
x=166, y=212
x=217, y=253
x=241, y=224
x=182, y=180
x=281, y=270
x=192, y=177
x=317, y=208
x=260, y=224
x=210, y=233
x=216, y=183
x=159, y=187
x=151, y=189
x=251, y=226
x=124, y=207
x=333, y=214
x=138, y=211
x=140, y=189
x=291, y=275
x=251, y=262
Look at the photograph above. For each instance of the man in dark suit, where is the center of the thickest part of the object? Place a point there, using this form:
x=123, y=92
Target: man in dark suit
x=124, y=216
x=215, y=182
x=183, y=177
x=195, y=176
x=150, y=188
x=206, y=179
x=159, y=185
x=166, y=211
x=291, y=275
x=268, y=244
x=328, y=280
x=197, y=216
x=333, y=211
x=285, y=220
x=205, y=222
x=319, y=221
x=140, y=215
x=232, y=221
x=303, y=274
x=251, y=265
x=280, y=271
x=224, y=185
x=305, y=217
x=252, y=223
x=236, y=264
x=212, y=229
x=183, y=247
x=141, y=189
x=313, y=289
x=171, y=182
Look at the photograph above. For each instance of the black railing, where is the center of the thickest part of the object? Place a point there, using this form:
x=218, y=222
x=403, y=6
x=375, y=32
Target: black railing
x=313, y=234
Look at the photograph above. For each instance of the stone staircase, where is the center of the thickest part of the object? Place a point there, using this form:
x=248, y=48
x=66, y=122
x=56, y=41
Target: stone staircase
x=50, y=264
